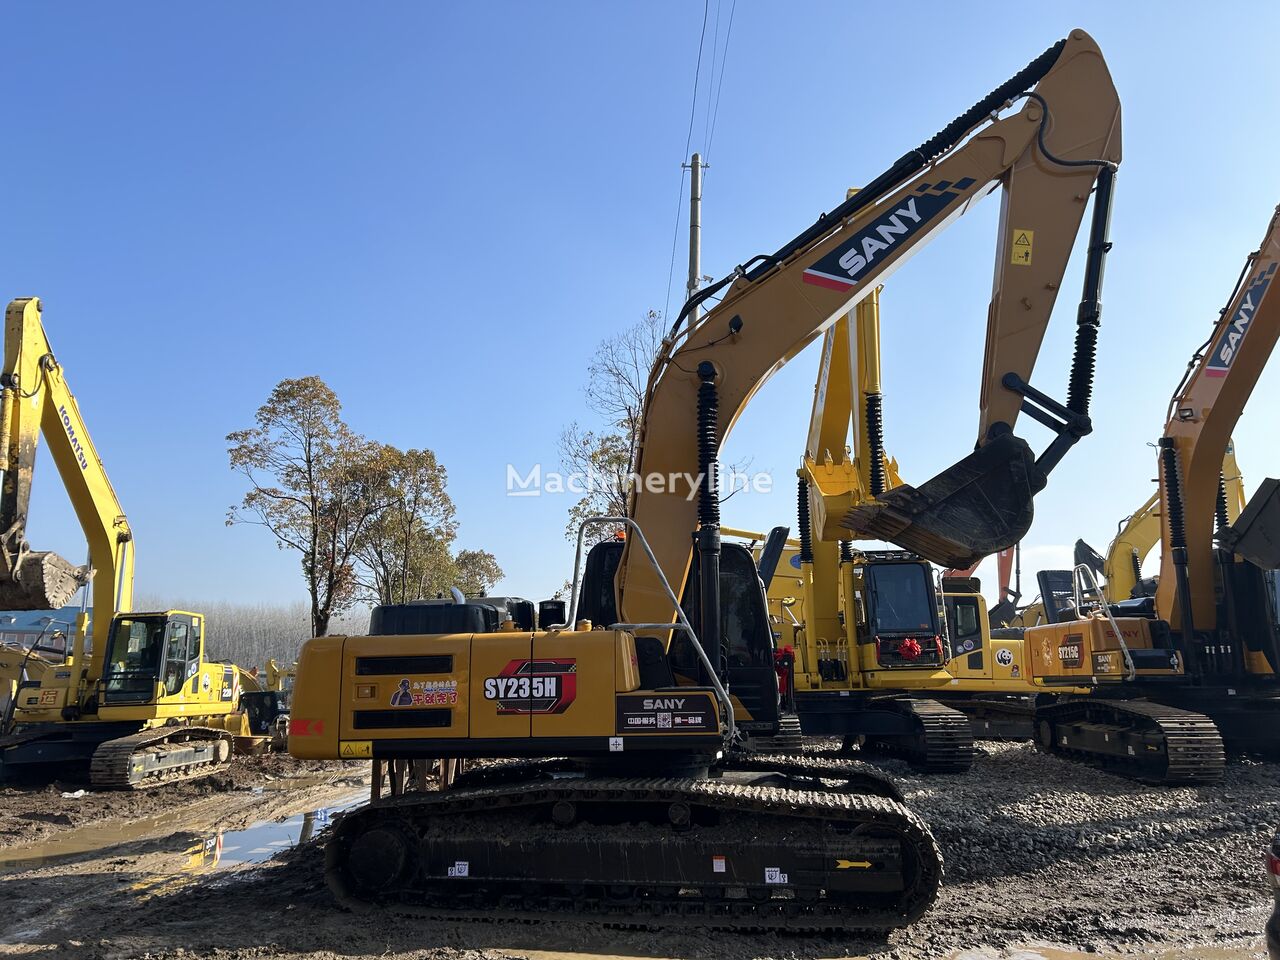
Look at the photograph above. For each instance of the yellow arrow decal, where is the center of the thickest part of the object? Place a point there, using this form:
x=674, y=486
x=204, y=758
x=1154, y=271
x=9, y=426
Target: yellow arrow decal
x=850, y=864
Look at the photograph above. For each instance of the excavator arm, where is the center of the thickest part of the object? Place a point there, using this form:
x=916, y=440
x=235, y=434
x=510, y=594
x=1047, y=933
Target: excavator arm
x=1140, y=532
x=35, y=400
x=1046, y=159
x=1203, y=413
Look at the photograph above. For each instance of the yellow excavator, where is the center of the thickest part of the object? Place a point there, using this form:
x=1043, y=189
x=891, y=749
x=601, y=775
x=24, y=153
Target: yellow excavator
x=1176, y=674
x=26, y=663
x=136, y=698
x=634, y=799
x=831, y=598
x=1139, y=534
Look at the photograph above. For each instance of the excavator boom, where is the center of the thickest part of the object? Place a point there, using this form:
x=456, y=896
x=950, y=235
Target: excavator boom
x=1046, y=158
x=1202, y=415
x=35, y=400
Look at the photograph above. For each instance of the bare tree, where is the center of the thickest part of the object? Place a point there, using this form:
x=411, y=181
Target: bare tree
x=313, y=483
x=617, y=377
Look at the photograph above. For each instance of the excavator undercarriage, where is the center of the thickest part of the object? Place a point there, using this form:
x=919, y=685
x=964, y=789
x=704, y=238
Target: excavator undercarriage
x=798, y=847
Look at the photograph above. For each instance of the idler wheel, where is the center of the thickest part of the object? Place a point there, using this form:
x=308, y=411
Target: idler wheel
x=1044, y=732
x=376, y=859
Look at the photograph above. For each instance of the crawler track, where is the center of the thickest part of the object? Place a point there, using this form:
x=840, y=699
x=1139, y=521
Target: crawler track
x=942, y=742
x=159, y=756
x=704, y=852
x=1135, y=738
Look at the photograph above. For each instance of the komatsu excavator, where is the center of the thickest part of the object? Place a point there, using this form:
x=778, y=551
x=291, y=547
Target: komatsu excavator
x=137, y=699
x=1177, y=674
x=651, y=808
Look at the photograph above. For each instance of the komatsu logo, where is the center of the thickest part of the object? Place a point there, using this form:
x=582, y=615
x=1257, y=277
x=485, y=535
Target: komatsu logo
x=1228, y=345
x=71, y=435
x=842, y=267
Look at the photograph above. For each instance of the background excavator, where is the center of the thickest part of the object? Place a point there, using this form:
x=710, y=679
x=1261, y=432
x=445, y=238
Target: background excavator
x=639, y=708
x=1177, y=674
x=874, y=646
x=137, y=699
x=1139, y=533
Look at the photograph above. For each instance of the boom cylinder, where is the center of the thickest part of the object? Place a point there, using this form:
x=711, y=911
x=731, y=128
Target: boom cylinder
x=1178, y=547
x=707, y=538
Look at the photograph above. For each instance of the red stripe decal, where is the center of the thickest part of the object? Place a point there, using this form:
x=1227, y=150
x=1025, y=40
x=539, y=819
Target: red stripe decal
x=819, y=280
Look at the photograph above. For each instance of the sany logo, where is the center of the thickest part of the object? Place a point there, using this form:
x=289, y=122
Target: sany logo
x=1228, y=345
x=841, y=268
x=855, y=261
x=71, y=435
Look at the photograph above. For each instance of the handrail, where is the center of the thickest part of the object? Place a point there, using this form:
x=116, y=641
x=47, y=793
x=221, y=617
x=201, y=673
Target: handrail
x=1084, y=569
x=682, y=622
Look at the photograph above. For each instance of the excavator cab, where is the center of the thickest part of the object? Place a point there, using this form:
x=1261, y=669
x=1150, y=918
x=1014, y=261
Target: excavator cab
x=150, y=657
x=746, y=655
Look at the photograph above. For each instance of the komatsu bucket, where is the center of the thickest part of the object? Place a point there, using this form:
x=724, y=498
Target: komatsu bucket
x=1256, y=533
x=42, y=580
x=969, y=511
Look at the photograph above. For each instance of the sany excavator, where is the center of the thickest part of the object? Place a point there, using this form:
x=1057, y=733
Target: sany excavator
x=138, y=701
x=1139, y=533
x=1177, y=674
x=650, y=809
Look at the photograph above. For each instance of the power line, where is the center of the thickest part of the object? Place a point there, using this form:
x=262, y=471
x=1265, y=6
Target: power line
x=720, y=83
x=715, y=46
x=688, y=140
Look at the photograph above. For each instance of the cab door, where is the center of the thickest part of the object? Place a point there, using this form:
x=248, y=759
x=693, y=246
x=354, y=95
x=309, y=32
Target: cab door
x=181, y=657
x=968, y=636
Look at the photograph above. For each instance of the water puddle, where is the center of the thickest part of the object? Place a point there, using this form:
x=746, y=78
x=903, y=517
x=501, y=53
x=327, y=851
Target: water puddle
x=177, y=840
x=262, y=841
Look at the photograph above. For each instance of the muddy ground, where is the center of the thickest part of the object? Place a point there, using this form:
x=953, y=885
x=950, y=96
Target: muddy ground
x=1044, y=860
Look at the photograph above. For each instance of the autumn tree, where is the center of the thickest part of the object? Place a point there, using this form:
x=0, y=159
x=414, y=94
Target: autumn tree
x=404, y=552
x=314, y=484
x=476, y=571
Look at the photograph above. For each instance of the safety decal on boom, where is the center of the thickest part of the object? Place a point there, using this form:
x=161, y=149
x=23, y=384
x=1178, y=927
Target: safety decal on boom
x=534, y=686
x=1023, y=240
x=1228, y=345
x=842, y=267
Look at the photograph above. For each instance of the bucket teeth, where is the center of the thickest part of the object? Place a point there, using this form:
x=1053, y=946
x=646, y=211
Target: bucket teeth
x=42, y=581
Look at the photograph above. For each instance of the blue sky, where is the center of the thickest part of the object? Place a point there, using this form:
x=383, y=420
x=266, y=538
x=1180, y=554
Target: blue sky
x=441, y=209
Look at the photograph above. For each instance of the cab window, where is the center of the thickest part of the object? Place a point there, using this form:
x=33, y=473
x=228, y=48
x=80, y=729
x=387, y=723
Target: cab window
x=964, y=624
x=177, y=656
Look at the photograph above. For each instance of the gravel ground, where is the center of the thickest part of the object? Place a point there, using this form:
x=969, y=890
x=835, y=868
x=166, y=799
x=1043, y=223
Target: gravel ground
x=1039, y=852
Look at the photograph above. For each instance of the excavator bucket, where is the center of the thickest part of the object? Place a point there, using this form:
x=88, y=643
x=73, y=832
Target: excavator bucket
x=1256, y=533
x=971, y=510
x=41, y=580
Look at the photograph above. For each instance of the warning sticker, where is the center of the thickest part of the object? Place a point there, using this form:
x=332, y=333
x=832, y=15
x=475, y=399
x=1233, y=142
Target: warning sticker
x=1023, y=241
x=717, y=864
x=356, y=750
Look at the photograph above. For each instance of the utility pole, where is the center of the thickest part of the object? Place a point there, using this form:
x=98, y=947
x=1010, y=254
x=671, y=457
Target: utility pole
x=695, y=166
